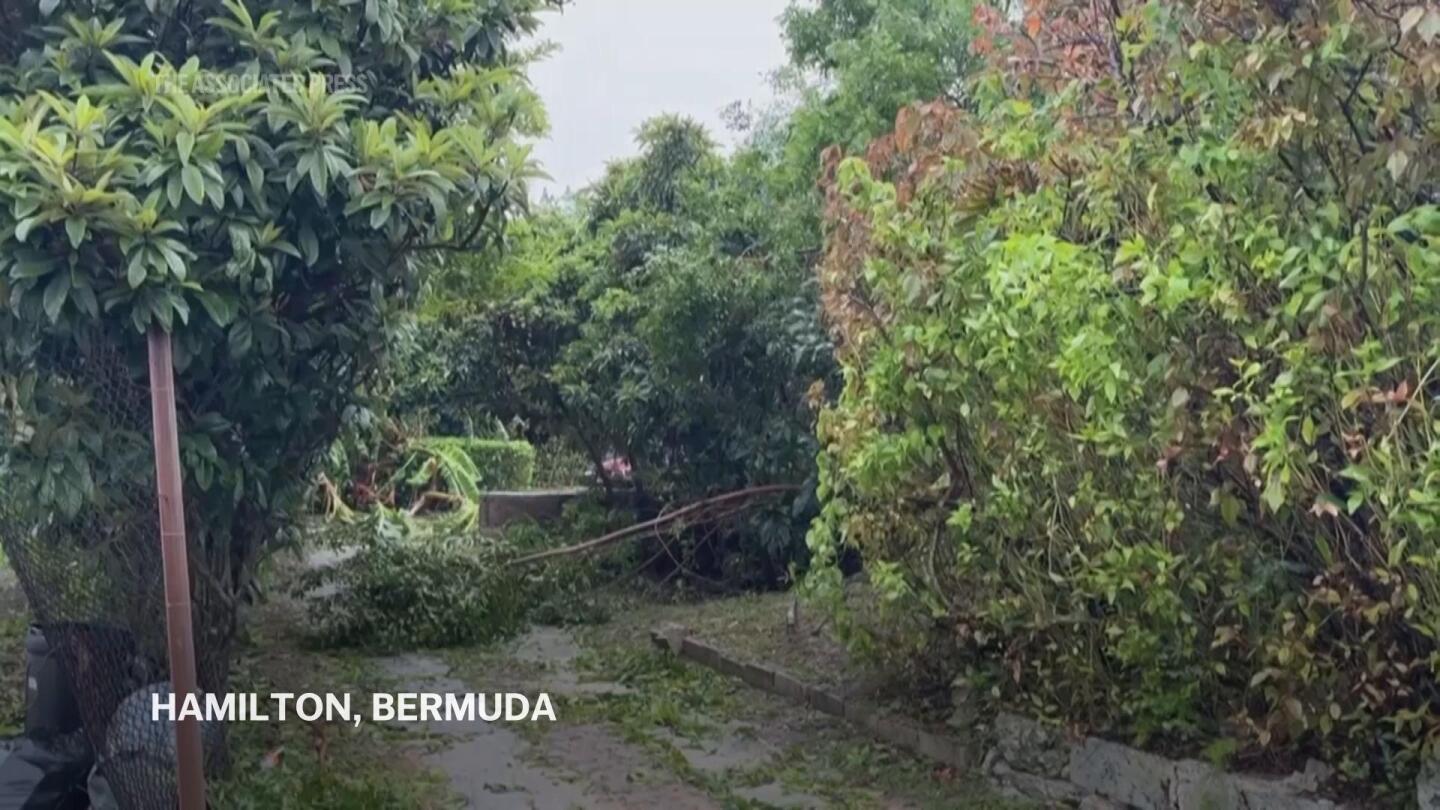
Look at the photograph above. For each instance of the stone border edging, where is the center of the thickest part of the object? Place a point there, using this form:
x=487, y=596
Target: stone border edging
x=891, y=728
x=1033, y=759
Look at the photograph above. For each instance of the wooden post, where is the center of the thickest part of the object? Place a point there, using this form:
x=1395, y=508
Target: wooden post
x=190, y=769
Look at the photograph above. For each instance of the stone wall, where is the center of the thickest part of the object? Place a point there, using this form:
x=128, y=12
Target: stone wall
x=499, y=509
x=1033, y=759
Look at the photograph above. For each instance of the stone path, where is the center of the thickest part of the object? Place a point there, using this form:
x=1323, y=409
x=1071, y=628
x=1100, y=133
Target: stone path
x=765, y=754
x=585, y=765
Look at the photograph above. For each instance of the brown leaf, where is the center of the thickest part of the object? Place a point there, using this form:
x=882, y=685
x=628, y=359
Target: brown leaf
x=907, y=125
x=1411, y=18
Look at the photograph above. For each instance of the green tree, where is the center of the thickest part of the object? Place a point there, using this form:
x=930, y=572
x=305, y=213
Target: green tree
x=263, y=181
x=866, y=60
x=660, y=326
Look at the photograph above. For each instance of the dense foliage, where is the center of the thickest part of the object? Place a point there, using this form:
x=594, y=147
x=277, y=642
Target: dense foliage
x=401, y=583
x=397, y=591
x=1140, y=419
x=658, y=332
x=260, y=181
x=497, y=463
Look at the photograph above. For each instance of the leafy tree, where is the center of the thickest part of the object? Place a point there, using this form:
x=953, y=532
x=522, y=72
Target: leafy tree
x=1139, y=419
x=664, y=329
x=260, y=180
x=870, y=58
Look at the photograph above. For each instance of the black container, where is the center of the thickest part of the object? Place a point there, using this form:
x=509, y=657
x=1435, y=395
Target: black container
x=50, y=706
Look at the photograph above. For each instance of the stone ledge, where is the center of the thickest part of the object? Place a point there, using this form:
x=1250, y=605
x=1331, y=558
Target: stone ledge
x=889, y=727
x=1038, y=761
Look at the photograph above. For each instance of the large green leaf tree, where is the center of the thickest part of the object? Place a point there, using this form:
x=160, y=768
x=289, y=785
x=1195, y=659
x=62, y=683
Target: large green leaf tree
x=262, y=180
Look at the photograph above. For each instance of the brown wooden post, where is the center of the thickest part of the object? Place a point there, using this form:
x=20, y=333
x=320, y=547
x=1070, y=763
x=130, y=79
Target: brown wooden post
x=190, y=769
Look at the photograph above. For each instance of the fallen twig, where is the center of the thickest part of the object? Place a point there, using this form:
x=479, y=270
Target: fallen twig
x=684, y=514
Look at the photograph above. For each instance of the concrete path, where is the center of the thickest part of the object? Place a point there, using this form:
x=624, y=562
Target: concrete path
x=499, y=766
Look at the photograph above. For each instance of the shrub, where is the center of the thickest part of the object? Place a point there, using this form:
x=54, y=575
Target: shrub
x=404, y=588
x=435, y=582
x=1141, y=398
x=559, y=464
x=498, y=463
x=503, y=464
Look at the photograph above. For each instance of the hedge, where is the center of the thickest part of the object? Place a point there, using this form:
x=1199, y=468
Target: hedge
x=1141, y=420
x=502, y=464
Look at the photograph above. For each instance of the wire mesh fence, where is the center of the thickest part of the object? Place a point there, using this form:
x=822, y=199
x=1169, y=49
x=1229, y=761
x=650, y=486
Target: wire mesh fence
x=93, y=574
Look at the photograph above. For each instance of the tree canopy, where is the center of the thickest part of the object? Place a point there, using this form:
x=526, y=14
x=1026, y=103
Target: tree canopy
x=261, y=180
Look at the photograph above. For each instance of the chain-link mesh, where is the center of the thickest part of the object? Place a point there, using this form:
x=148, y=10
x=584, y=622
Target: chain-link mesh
x=94, y=580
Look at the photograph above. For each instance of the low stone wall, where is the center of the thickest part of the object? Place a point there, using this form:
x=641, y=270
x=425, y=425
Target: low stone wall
x=500, y=509
x=894, y=729
x=1033, y=759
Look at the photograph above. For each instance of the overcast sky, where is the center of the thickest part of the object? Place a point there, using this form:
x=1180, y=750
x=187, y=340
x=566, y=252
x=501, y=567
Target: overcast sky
x=623, y=61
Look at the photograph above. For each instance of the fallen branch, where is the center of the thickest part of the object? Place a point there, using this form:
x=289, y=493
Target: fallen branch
x=679, y=515
x=433, y=496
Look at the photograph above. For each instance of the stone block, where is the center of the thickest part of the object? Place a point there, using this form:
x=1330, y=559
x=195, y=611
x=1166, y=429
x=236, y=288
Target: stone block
x=670, y=637
x=1049, y=792
x=943, y=748
x=701, y=653
x=1122, y=773
x=726, y=665
x=824, y=702
x=789, y=687
x=500, y=509
x=1030, y=746
x=758, y=676
x=1276, y=794
x=1199, y=786
x=898, y=731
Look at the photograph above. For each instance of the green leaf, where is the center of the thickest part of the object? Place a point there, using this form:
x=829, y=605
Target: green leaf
x=55, y=294
x=136, y=272
x=24, y=226
x=84, y=298
x=194, y=183
x=309, y=245
x=185, y=142
x=217, y=307
x=75, y=229
x=241, y=338
x=174, y=190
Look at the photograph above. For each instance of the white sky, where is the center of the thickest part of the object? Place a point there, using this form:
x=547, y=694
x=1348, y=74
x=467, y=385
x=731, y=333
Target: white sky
x=624, y=61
